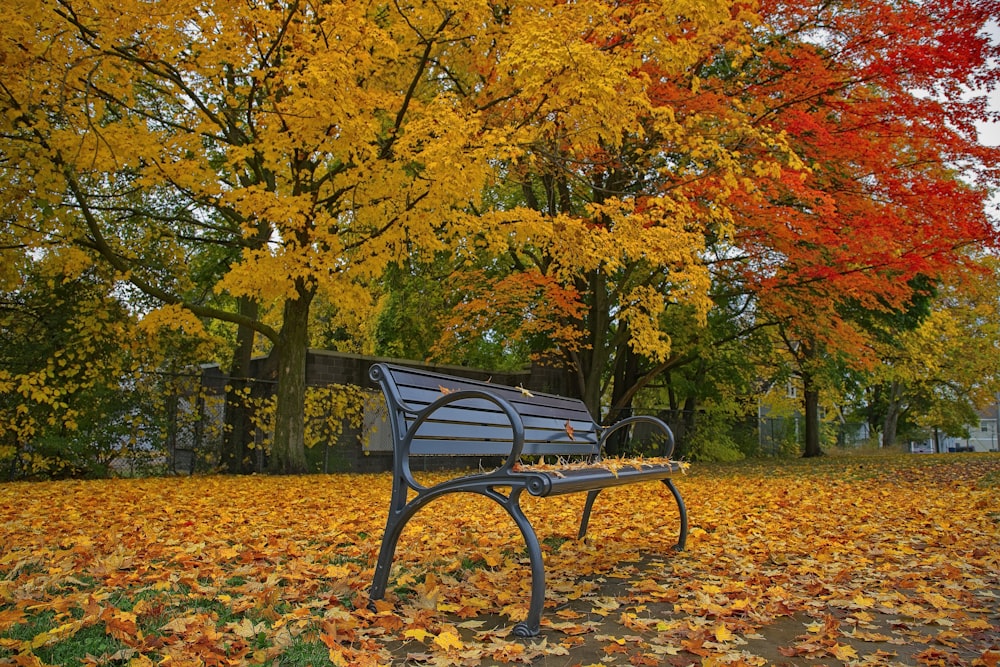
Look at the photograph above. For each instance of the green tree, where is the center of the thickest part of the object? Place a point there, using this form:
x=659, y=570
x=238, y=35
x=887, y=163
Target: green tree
x=81, y=385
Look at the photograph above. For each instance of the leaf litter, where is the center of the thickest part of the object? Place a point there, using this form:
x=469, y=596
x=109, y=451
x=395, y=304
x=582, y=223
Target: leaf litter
x=877, y=561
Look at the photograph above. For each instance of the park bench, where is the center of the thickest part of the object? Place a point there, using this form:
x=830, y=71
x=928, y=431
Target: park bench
x=431, y=414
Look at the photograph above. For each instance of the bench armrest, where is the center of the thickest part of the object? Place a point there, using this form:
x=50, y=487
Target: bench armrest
x=637, y=419
x=422, y=415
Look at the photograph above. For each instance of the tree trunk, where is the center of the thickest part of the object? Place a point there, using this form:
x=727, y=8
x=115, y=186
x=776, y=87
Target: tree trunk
x=288, y=453
x=687, y=422
x=626, y=375
x=810, y=402
x=593, y=360
x=873, y=413
x=894, y=409
x=236, y=436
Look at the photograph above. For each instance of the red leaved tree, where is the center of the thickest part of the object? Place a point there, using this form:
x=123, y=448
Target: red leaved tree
x=875, y=98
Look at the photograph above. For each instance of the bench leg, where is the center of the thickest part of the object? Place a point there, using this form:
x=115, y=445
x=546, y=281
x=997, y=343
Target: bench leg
x=587, y=507
x=531, y=626
x=393, y=529
x=682, y=538
x=397, y=520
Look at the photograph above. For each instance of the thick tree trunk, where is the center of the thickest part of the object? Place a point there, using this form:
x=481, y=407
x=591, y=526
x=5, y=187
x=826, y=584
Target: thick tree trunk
x=288, y=454
x=234, y=455
x=810, y=402
x=873, y=413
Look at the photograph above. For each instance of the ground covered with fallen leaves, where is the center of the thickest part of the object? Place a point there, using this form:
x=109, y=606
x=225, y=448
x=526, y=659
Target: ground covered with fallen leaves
x=866, y=561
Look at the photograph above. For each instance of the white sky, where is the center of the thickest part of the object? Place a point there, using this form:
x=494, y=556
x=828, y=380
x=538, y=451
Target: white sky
x=989, y=133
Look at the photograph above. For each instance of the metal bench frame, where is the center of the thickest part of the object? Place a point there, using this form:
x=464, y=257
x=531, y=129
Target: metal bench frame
x=435, y=414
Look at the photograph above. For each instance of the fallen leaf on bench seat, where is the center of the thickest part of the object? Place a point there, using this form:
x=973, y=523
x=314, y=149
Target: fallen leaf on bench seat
x=569, y=429
x=611, y=465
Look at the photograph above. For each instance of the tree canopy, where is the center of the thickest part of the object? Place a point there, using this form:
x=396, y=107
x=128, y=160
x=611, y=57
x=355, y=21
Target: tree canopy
x=591, y=180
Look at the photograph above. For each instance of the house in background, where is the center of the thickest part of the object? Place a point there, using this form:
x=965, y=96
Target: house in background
x=983, y=436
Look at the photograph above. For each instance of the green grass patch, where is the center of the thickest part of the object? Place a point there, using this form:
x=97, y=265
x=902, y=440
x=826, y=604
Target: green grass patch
x=554, y=542
x=990, y=480
x=92, y=641
x=470, y=564
x=305, y=653
x=217, y=609
x=72, y=651
x=32, y=626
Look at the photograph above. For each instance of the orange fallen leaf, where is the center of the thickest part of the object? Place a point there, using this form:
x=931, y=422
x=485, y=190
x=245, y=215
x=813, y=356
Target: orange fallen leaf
x=989, y=658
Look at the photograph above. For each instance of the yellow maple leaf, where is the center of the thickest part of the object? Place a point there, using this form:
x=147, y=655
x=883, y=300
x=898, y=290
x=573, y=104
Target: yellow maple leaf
x=448, y=639
x=864, y=602
x=247, y=628
x=337, y=657
x=722, y=634
x=28, y=660
x=417, y=633
x=844, y=652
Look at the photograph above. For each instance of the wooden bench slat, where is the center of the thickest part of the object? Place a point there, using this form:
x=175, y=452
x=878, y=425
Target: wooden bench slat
x=533, y=406
x=467, y=412
x=441, y=447
x=496, y=430
x=427, y=388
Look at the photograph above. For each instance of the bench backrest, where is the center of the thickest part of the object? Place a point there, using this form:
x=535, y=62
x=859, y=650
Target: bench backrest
x=553, y=425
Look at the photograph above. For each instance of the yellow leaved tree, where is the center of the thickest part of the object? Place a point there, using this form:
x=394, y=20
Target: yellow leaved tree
x=221, y=156
x=226, y=156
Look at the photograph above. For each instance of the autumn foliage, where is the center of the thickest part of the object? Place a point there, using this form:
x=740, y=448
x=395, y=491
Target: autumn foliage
x=879, y=201
x=857, y=561
x=602, y=177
